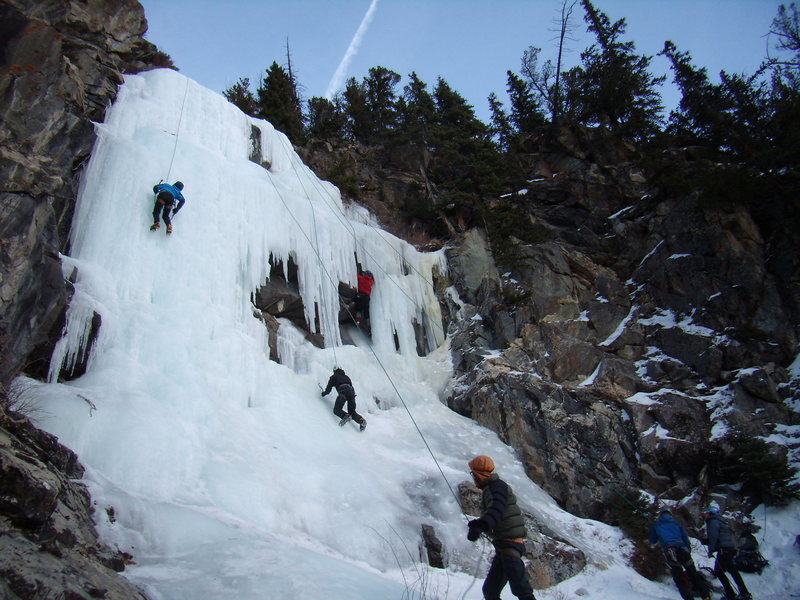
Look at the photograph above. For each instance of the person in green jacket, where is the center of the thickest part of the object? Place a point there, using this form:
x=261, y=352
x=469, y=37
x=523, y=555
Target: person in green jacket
x=501, y=519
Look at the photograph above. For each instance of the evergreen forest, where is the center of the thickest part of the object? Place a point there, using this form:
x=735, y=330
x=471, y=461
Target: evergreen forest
x=736, y=135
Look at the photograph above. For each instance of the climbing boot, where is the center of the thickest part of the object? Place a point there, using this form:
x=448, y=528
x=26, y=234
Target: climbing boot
x=362, y=425
x=169, y=228
x=346, y=419
x=155, y=226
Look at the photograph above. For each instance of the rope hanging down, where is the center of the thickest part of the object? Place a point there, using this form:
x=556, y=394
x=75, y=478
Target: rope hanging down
x=377, y=358
x=342, y=218
x=177, y=131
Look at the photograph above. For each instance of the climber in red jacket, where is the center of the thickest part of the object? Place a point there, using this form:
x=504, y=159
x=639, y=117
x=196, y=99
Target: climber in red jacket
x=365, y=283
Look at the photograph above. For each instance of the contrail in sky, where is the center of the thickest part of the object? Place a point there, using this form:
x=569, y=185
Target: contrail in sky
x=338, y=77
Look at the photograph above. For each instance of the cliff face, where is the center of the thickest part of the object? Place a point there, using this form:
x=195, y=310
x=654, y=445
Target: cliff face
x=621, y=336
x=60, y=65
x=635, y=337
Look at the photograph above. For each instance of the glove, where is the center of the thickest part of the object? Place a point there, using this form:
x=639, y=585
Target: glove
x=476, y=528
x=323, y=394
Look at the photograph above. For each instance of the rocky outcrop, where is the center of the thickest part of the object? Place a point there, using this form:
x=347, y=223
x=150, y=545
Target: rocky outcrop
x=391, y=181
x=48, y=544
x=616, y=352
x=60, y=65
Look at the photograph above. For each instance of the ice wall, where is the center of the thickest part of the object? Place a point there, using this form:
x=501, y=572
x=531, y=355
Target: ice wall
x=227, y=473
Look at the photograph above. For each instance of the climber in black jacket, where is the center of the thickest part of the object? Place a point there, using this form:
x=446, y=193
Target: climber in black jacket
x=502, y=520
x=344, y=387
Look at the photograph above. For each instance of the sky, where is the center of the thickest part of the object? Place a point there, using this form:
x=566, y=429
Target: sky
x=470, y=43
x=228, y=474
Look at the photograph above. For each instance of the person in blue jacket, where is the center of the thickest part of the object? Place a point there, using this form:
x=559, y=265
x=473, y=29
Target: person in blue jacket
x=166, y=196
x=674, y=542
x=720, y=540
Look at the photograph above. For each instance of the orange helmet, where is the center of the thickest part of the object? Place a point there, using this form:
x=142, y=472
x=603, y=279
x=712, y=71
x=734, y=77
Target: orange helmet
x=481, y=466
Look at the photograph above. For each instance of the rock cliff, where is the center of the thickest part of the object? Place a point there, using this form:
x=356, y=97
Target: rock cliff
x=624, y=337
x=623, y=349
x=60, y=65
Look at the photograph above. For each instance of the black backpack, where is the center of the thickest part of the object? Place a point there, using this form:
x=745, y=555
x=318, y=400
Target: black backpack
x=748, y=559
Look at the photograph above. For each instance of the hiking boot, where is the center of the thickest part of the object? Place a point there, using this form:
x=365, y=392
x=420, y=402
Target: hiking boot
x=362, y=425
x=345, y=419
x=155, y=226
x=169, y=228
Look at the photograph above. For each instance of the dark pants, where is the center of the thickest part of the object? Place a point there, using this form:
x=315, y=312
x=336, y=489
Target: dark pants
x=684, y=573
x=346, y=394
x=725, y=563
x=164, y=204
x=362, y=305
x=507, y=567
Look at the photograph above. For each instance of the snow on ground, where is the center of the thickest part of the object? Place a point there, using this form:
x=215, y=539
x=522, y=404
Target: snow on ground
x=227, y=473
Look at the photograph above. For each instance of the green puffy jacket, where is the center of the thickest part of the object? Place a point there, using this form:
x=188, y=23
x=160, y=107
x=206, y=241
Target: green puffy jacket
x=500, y=511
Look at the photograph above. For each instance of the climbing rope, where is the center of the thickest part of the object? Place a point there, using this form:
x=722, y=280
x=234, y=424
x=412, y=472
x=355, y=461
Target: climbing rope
x=375, y=355
x=314, y=248
x=177, y=131
x=342, y=218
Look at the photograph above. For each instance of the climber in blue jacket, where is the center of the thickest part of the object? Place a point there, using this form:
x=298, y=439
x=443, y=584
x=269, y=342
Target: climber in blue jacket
x=166, y=196
x=674, y=542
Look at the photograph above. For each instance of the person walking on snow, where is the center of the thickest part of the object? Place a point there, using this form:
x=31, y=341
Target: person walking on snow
x=166, y=196
x=365, y=283
x=501, y=519
x=344, y=387
x=720, y=540
x=677, y=552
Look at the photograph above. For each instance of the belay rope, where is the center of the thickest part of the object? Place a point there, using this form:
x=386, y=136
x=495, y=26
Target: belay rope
x=315, y=248
x=377, y=358
x=177, y=131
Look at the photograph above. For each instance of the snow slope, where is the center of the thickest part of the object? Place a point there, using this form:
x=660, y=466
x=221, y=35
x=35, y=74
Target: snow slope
x=227, y=473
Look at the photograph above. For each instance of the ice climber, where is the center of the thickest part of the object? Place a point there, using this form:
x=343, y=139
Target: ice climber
x=344, y=387
x=677, y=552
x=365, y=283
x=721, y=541
x=166, y=196
x=501, y=519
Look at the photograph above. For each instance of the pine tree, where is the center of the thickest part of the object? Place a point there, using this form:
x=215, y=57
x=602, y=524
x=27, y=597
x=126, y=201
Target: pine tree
x=613, y=86
x=326, y=120
x=416, y=111
x=381, y=99
x=786, y=31
x=279, y=103
x=701, y=104
x=465, y=163
x=526, y=115
x=500, y=128
x=764, y=475
x=359, y=119
x=454, y=117
x=240, y=95
x=730, y=118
